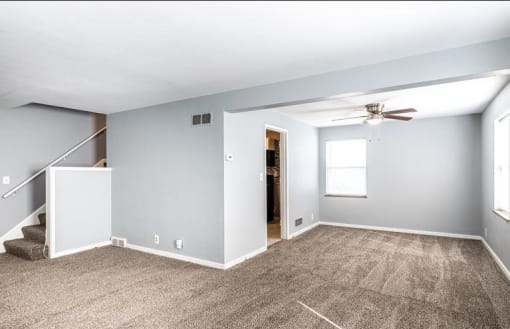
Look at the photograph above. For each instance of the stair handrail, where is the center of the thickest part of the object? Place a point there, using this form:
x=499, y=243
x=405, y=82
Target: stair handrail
x=52, y=163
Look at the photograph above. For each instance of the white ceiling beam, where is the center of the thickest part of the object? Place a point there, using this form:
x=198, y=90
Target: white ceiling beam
x=437, y=67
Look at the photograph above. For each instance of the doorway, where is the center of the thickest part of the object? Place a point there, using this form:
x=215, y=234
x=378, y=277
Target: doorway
x=276, y=196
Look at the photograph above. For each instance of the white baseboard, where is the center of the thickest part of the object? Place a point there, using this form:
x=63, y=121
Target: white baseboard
x=401, y=230
x=80, y=249
x=195, y=260
x=244, y=258
x=303, y=230
x=501, y=265
x=15, y=232
x=172, y=255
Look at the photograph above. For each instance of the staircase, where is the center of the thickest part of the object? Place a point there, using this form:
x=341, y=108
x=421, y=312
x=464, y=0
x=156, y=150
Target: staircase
x=31, y=247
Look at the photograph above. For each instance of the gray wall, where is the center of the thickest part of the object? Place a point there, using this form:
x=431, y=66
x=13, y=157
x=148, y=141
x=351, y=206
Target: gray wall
x=245, y=194
x=168, y=178
x=30, y=138
x=498, y=230
x=82, y=207
x=422, y=175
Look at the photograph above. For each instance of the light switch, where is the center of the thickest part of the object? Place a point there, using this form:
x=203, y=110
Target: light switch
x=6, y=180
x=261, y=176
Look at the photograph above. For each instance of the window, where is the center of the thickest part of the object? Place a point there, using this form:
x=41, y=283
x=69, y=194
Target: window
x=346, y=168
x=502, y=166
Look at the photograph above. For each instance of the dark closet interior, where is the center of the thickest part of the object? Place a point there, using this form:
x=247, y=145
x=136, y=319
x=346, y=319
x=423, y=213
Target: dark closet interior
x=273, y=184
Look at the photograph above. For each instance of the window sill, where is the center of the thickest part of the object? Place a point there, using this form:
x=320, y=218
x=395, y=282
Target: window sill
x=503, y=214
x=345, y=196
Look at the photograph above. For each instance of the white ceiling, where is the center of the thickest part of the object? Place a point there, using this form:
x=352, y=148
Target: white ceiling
x=446, y=99
x=114, y=56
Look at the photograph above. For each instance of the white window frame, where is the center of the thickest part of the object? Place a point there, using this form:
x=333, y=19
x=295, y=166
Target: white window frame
x=327, y=193
x=503, y=213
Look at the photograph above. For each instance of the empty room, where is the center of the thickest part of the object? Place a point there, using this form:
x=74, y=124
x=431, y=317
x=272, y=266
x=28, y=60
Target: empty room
x=255, y=165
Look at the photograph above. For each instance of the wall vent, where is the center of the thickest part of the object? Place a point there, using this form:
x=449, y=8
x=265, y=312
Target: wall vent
x=197, y=119
x=206, y=118
x=201, y=119
x=298, y=221
x=119, y=242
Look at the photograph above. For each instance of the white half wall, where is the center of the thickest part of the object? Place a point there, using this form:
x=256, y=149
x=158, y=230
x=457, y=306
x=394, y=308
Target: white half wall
x=78, y=209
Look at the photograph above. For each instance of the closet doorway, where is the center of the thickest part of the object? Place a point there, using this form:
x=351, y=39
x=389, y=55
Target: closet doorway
x=276, y=189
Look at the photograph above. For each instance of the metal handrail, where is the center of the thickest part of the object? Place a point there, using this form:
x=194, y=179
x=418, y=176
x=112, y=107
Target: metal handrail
x=54, y=162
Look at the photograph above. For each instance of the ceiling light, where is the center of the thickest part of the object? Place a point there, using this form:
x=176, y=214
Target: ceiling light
x=374, y=119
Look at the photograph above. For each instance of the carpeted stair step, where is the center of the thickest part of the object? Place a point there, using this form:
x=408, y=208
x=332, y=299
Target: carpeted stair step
x=35, y=233
x=42, y=218
x=26, y=249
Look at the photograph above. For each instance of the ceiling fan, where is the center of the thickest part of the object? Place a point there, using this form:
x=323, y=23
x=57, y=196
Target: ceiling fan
x=375, y=114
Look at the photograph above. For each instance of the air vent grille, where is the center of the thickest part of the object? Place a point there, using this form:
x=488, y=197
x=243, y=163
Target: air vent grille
x=206, y=118
x=201, y=119
x=197, y=119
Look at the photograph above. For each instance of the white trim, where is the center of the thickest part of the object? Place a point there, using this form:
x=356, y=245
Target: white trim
x=15, y=232
x=495, y=198
x=81, y=249
x=244, y=258
x=303, y=230
x=172, y=255
x=50, y=211
x=81, y=168
x=195, y=260
x=501, y=265
x=400, y=230
x=284, y=179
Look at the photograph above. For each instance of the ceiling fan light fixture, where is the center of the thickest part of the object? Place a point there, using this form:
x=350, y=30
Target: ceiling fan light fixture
x=374, y=119
x=375, y=114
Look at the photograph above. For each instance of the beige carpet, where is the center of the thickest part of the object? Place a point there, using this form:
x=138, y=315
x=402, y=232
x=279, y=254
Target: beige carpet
x=356, y=278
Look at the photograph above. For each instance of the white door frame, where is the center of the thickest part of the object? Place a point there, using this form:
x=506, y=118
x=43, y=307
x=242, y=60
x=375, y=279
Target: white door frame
x=284, y=181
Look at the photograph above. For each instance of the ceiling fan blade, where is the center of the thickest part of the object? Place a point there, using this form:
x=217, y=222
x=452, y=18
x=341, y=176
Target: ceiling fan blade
x=349, y=118
x=409, y=110
x=318, y=108
x=339, y=110
x=396, y=117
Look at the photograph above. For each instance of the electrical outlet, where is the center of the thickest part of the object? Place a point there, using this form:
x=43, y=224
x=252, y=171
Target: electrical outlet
x=156, y=239
x=178, y=244
x=313, y=217
x=119, y=242
x=6, y=180
x=486, y=232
